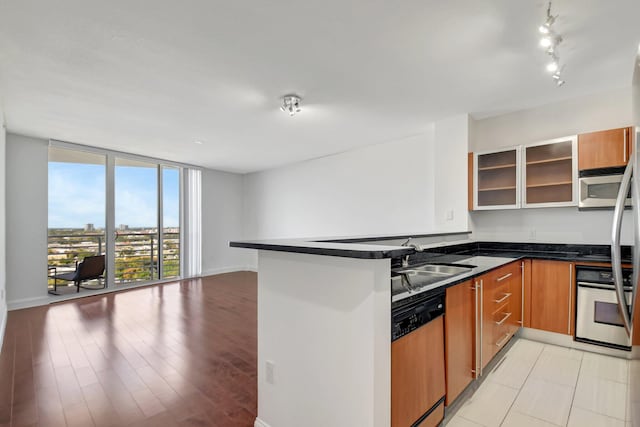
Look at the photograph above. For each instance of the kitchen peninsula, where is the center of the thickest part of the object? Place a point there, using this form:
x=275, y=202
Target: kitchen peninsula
x=324, y=324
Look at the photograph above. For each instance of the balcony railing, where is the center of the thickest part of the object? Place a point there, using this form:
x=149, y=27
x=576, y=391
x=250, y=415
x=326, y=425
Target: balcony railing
x=136, y=257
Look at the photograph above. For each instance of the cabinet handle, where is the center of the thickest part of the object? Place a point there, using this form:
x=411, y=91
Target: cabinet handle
x=476, y=371
x=624, y=131
x=506, y=276
x=521, y=321
x=506, y=316
x=498, y=301
x=503, y=340
x=479, y=350
x=570, y=297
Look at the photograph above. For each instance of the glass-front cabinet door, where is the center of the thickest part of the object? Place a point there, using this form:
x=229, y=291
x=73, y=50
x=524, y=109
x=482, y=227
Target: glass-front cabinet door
x=550, y=173
x=496, y=183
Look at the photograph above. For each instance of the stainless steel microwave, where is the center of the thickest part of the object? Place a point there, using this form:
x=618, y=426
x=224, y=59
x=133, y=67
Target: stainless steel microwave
x=599, y=190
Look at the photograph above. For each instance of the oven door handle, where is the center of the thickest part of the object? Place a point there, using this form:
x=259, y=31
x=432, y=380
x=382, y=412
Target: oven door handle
x=616, y=257
x=601, y=286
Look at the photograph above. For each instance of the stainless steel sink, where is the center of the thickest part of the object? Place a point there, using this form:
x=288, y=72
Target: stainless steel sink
x=414, y=278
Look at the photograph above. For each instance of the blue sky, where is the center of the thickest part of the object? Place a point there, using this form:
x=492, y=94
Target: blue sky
x=77, y=196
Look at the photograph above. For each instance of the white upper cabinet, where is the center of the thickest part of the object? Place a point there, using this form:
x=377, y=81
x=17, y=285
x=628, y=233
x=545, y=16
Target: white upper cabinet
x=496, y=179
x=541, y=174
x=549, y=173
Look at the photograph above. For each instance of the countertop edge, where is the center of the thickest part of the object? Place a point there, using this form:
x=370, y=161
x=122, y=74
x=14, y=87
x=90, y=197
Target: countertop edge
x=322, y=248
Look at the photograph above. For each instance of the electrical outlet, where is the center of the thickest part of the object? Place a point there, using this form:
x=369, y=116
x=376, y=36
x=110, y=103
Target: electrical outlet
x=449, y=215
x=532, y=234
x=270, y=371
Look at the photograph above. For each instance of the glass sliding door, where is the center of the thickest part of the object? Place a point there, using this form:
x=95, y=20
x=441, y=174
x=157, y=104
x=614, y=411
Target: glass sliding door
x=170, y=235
x=126, y=208
x=76, y=213
x=136, y=221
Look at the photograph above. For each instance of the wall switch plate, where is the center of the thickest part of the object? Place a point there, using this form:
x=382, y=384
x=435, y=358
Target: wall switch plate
x=270, y=371
x=449, y=215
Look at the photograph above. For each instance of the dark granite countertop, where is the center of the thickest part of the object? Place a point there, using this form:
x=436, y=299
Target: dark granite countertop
x=445, y=252
x=348, y=250
x=349, y=247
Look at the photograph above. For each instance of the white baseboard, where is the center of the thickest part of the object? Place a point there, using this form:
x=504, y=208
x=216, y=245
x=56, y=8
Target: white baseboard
x=567, y=341
x=48, y=299
x=27, y=302
x=3, y=325
x=260, y=423
x=222, y=270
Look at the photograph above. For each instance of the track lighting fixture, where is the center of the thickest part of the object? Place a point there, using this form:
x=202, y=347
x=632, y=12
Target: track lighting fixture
x=291, y=104
x=550, y=41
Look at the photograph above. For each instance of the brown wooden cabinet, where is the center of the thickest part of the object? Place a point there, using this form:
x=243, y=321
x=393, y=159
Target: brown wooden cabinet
x=607, y=148
x=516, y=284
x=459, y=321
x=526, y=289
x=498, y=311
x=552, y=296
x=417, y=377
x=500, y=291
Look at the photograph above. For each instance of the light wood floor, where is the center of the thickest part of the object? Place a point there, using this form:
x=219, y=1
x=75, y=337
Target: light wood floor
x=179, y=354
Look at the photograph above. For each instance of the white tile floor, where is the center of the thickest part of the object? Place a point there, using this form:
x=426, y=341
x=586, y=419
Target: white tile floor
x=541, y=385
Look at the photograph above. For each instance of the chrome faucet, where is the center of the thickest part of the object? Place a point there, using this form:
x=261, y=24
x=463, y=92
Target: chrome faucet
x=418, y=248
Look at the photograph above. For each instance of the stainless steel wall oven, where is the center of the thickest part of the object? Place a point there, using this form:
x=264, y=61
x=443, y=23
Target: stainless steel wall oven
x=598, y=317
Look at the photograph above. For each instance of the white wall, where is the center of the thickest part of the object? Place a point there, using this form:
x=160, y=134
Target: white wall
x=329, y=341
x=222, y=214
x=555, y=225
x=380, y=189
x=26, y=220
x=3, y=252
x=451, y=148
x=579, y=115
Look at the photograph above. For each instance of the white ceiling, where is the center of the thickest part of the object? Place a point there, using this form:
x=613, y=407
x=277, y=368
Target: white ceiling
x=151, y=77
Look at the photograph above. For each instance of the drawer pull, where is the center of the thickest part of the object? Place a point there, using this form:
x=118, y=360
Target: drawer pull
x=501, y=321
x=506, y=276
x=503, y=340
x=498, y=301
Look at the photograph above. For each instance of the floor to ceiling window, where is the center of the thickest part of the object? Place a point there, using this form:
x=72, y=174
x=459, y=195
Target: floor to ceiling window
x=77, y=212
x=129, y=208
x=136, y=219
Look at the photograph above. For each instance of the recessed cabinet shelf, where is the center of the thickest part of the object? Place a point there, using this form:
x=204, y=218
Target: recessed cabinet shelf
x=497, y=188
x=539, y=162
x=550, y=184
x=497, y=167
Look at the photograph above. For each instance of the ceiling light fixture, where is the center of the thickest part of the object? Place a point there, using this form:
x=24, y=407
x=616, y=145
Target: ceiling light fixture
x=550, y=41
x=291, y=104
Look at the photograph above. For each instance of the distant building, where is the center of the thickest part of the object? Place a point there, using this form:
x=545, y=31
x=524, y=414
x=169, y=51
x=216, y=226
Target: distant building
x=89, y=227
x=123, y=227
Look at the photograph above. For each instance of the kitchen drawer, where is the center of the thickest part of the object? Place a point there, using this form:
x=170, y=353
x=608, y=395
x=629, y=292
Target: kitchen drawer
x=501, y=315
x=500, y=295
x=502, y=337
x=504, y=274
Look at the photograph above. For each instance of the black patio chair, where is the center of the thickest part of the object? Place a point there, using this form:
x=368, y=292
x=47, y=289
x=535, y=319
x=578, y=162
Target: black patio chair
x=91, y=267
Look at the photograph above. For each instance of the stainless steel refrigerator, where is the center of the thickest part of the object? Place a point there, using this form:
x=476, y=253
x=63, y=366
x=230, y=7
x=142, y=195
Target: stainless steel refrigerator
x=631, y=179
